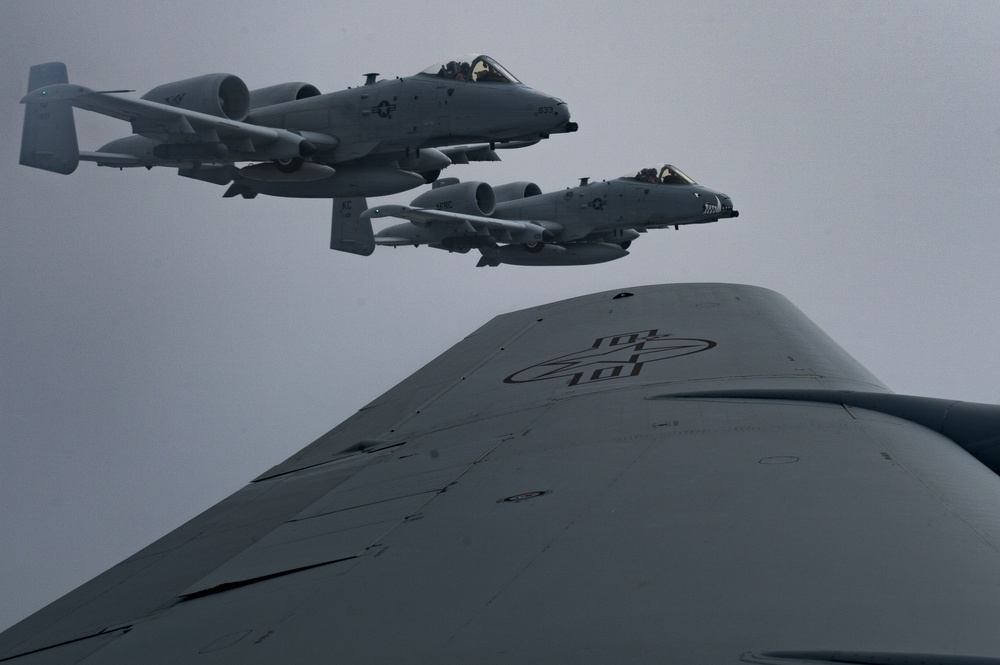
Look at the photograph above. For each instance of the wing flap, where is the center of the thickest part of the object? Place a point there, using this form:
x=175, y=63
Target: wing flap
x=349, y=520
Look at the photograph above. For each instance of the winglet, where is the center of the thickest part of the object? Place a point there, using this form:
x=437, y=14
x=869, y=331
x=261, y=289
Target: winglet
x=350, y=231
x=48, y=139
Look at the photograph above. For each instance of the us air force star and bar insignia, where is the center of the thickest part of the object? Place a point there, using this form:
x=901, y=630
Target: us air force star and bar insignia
x=598, y=203
x=612, y=357
x=384, y=109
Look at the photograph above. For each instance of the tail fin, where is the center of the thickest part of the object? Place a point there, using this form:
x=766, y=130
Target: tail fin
x=348, y=231
x=48, y=140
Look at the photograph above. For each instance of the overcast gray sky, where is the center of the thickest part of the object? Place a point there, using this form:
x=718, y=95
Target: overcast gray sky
x=160, y=346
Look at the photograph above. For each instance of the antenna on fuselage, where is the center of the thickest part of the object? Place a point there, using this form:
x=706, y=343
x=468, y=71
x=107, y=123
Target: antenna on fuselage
x=370, y=78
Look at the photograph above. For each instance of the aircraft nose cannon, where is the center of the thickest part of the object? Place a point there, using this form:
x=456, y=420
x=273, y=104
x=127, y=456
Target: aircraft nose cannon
x=561, y=112
x=728, y=211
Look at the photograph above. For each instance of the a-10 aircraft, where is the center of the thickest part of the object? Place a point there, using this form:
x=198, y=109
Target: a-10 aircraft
x=383, y=137
x=517, y=224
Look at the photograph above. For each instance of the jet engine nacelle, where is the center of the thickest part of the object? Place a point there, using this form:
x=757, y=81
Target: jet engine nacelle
x=469, y=198
x=222, y=95
x=281, y=93
x=513, y=191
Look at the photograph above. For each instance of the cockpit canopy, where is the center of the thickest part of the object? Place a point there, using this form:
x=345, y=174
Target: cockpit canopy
x=472, y=67
x=662, y=175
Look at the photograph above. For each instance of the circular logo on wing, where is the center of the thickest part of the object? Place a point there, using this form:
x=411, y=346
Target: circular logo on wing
x=612, y=357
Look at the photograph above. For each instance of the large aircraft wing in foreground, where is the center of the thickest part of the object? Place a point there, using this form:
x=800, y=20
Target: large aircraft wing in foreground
x=672, y=474
x=383, y=137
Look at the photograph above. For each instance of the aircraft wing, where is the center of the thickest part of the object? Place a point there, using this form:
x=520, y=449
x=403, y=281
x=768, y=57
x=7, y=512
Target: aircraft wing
x=522, y=230
x=173, y=123
x=676, y=473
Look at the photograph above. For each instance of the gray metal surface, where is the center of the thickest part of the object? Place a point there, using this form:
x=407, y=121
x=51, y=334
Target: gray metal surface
x=515, y=223
x=371, y=140
x=554, y=488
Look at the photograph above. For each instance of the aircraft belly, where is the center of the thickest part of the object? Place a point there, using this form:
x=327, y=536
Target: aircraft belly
x=540, y=493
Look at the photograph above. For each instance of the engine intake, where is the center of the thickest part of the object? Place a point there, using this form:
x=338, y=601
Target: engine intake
x=513, y=191
x=470, y=198
x=281, y=93
x=222, y=95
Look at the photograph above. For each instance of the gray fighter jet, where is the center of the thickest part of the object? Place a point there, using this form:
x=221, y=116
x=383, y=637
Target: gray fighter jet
x=517, y=224
x=379, y=138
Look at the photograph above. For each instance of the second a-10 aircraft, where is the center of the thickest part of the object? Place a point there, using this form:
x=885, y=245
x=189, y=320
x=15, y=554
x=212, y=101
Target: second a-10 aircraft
x=383, y=137
x=517, y=224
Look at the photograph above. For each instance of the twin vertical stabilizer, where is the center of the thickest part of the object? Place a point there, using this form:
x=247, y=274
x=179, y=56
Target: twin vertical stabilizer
x=48, y=140
x=349, y=232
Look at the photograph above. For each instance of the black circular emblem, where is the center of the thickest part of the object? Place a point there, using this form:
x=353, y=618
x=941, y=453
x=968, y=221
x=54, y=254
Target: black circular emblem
x=524, y=496
x=612, y=357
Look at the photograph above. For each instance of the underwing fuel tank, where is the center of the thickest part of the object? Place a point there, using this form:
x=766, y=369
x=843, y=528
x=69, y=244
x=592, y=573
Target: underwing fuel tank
x=572, y=254
x=341, y=182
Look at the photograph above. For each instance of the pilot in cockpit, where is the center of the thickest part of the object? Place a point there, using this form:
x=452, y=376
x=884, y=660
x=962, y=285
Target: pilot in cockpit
x=647, y=175
x=479, y=69
x=665, y=175
x=490, y=75
x=459, y=71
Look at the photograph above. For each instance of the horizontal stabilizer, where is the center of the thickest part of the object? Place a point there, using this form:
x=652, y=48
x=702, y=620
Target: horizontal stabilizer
x=48, y=139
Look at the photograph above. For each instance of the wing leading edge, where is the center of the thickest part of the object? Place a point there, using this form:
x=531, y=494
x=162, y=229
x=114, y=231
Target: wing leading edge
x=662, y=473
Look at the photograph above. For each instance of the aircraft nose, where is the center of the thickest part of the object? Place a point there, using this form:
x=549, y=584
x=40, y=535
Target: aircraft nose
x=556, y=112
x=563, y=112
x=715, y=205
x=727, y=206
